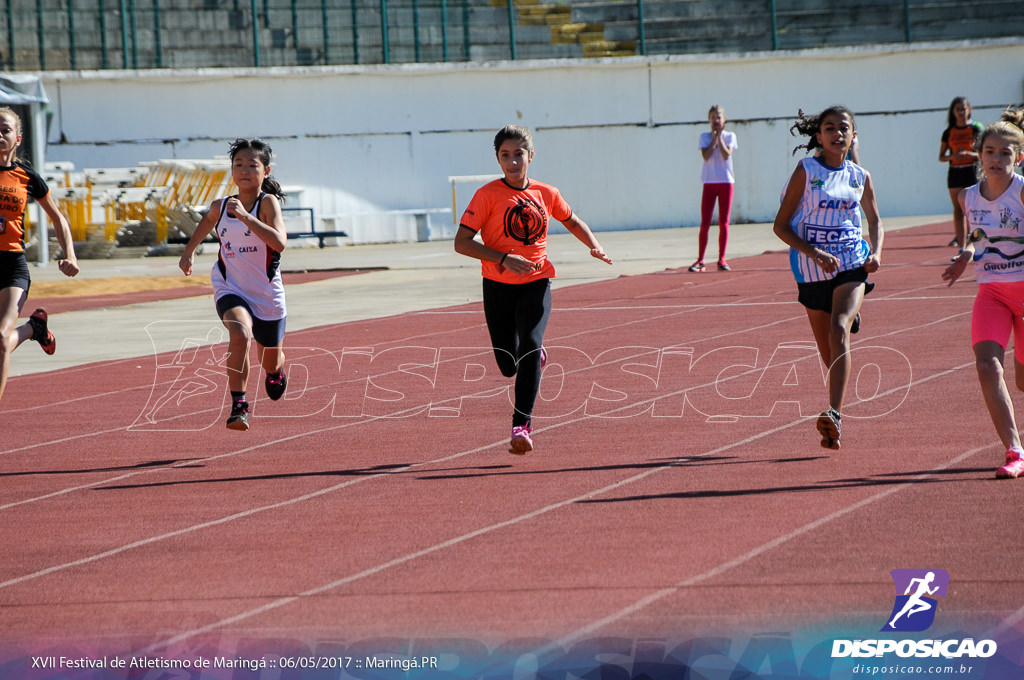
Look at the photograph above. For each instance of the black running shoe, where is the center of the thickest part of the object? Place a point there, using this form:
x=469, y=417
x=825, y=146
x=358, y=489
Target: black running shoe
x=276, y=384
x=239, y=419
x=40, y=333
x=829, y=427
x=855, y=326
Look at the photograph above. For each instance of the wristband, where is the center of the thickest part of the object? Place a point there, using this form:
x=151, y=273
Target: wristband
x=502, y=260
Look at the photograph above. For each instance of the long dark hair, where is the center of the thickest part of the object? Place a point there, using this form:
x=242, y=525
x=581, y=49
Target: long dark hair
x=810, y=126
x=951, y=116
x=266, y=155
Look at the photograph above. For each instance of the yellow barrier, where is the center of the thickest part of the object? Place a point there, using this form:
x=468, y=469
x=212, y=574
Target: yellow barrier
x=153, y=190
x=74, y=203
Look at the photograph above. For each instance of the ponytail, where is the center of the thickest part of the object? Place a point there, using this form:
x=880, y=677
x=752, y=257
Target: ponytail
x=810, y=126
x=271, y=186
x=1014, y=116
x=1010, y=126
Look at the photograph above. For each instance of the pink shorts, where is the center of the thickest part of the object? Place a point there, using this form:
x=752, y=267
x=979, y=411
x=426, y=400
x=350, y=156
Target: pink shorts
x=998, y=309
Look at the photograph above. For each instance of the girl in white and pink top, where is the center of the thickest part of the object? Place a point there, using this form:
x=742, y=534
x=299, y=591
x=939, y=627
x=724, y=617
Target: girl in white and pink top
x=995, y=214
x=716, y=148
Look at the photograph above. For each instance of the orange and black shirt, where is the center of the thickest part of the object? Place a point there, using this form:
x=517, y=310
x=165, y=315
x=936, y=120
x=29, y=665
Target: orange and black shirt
x=516, y=221
x=962, y=139
x=18, y=183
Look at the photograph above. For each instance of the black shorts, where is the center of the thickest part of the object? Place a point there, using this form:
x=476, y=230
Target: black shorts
x=961, y=176
x=14, y=270
x=817, y=295
x=267, y=333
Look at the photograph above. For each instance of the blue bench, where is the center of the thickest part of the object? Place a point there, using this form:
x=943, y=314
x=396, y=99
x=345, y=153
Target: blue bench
x=308, y=229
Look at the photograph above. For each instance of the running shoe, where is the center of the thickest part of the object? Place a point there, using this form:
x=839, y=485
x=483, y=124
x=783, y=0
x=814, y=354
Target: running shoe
x=1014, y=466
x=723, y=266
x=829, y=427
x=697, y=267
x=855, y=326
x=543, y=358
x=239, y=418
x=40, y=333
x=275, y=385
x=520, y=442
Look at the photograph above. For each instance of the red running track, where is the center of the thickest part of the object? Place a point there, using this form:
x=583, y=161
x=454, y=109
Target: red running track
x=678, y=486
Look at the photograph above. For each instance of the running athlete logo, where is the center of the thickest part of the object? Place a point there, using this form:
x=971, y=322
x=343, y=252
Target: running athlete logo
x=914, y=610
x=526, y=221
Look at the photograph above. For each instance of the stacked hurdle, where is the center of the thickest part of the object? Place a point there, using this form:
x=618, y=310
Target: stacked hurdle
x=167, y=192
x=141, y=205
x=190, y=186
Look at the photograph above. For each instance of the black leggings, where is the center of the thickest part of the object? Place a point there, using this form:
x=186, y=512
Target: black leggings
x=517, y=315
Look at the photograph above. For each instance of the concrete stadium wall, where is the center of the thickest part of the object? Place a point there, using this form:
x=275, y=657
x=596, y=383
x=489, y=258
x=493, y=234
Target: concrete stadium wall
x=618, y=137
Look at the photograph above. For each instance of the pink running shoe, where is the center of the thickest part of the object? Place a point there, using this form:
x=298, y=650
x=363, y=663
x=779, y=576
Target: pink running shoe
x=520, y=442
x=1014, y=466
x=543, y=358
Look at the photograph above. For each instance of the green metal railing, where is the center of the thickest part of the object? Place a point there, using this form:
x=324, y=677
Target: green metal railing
x=97, y=34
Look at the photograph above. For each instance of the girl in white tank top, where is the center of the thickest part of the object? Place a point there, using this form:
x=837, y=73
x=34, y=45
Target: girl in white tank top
x=247, y=277
x=994, y=209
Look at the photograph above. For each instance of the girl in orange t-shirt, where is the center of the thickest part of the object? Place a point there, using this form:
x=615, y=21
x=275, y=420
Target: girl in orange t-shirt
x=511, y=216
x=18, y=183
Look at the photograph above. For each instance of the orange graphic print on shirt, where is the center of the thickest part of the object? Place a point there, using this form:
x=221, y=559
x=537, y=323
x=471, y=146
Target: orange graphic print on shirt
x=962, y=139
x=17, y=183
x=516, y=221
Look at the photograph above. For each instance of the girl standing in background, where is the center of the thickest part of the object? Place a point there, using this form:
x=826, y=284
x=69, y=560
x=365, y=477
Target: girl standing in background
x=957, y=149
x=716, y=147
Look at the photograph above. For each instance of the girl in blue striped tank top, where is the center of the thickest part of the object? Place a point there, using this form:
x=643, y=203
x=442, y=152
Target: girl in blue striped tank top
x=820, y=221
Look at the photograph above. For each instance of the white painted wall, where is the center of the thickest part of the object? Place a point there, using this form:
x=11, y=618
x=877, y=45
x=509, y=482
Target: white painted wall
x=618, y=137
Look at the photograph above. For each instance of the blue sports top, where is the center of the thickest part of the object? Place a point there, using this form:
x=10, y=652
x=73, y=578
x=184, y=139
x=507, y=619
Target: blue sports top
x=828, y=217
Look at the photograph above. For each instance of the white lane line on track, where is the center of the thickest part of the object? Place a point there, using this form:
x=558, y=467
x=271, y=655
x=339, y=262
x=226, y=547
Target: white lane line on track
x=755, y=552
x=440, y=546
x=409, y=339
x=275, y=442
x=347, y=483
x=697, y=305
x=372, y=419
x=660, y=594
